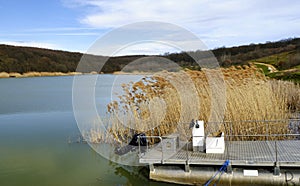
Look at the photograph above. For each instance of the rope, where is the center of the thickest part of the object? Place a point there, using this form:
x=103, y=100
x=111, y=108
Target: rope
x=220, y=171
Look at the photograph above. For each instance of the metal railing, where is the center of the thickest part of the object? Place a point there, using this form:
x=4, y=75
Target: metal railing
x=268, y=127
x=147, y=144
x=292, y=125
x=160, y=145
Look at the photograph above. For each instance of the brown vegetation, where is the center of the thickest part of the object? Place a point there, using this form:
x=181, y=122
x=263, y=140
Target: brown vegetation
x=15, y=74
x=155, y=106
x=37, y=74
x=4, y=75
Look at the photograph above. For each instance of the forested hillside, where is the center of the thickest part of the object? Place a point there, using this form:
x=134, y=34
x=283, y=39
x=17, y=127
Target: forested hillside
x=27, y=59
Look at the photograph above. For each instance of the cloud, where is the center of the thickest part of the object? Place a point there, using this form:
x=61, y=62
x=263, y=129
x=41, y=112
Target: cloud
x=147, y=48
x=146, y=38
x=78, y=34
x=60, y=29
x=31, y=44
x=230, y=22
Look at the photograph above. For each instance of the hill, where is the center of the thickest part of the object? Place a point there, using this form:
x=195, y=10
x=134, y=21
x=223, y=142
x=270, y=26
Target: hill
x=285, y=65
x=283, y=55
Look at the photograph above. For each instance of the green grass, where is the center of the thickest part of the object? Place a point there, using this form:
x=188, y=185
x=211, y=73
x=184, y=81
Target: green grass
x=276, y=58
x=282, y=74
x=287, y=76
x=264, y=68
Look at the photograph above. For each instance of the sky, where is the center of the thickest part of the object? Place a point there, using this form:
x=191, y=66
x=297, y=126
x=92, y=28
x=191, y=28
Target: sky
x=75, y=25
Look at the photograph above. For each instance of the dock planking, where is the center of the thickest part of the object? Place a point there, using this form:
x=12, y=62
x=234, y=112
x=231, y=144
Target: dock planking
x=244, y=153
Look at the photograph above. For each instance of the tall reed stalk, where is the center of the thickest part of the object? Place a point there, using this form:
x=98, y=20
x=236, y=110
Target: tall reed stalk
x=154, y=106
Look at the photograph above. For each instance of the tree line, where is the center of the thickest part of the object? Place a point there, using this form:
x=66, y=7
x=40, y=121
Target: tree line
x=28, y=59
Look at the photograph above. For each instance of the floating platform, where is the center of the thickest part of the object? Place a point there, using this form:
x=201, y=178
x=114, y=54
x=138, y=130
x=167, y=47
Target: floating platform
x=251, y=163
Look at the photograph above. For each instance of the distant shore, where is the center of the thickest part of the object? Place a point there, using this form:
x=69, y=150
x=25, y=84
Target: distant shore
x=39, y=74
x=45, y=74
x=133, y=73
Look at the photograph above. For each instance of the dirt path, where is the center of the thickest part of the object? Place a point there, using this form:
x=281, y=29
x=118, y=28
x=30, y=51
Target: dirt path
x=271, y=68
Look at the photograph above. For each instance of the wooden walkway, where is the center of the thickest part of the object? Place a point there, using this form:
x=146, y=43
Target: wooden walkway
x=245, y=153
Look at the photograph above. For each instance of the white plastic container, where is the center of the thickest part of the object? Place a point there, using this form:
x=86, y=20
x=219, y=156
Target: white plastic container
x=198, y=136
x=215, y=144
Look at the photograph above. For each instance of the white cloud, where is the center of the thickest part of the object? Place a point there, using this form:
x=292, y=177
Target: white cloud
x=31, y=44
x=230, y=22
x=78, y=34
x=59, y=29
x=146, y=38
x=148, y=48
x=63, y=31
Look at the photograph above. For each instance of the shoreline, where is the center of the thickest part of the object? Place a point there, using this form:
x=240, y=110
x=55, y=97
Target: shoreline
x=39, y=74
x=50, y=74
x=133, y=73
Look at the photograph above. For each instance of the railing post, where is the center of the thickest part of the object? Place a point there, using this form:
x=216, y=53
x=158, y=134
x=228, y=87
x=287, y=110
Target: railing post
x=276, y=166
x=147, y=145
x=267, y=130
x=187, y=165
x=276, y=155
x=187, y=153
x=139, y=143
x=162, y=150
x=230, y=123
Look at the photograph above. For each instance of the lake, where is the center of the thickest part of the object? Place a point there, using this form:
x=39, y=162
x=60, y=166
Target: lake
x=38, y=135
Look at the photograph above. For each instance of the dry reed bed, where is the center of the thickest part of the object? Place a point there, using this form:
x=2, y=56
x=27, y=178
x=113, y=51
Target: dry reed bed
x=156, y=106
x=4, y=75
x=37, y=74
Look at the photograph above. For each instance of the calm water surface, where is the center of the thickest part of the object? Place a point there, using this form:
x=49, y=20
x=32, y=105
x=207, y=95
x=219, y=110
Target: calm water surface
x=36, y=123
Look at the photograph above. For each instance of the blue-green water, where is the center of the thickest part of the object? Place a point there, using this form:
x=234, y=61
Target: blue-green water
x=36, y=123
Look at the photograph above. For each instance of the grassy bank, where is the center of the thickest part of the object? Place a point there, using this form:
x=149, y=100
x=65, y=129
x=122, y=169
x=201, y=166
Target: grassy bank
x=281, y=66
